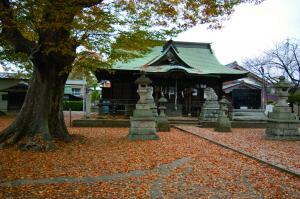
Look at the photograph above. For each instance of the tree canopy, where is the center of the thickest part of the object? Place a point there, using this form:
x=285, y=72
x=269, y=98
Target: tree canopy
x=49, y=38
x=106, y=30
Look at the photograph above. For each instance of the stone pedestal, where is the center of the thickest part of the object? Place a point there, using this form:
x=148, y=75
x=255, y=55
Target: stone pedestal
x=142, y=128
x=210, y=109
x=163, y=124
x=282, y=124
x=223, y=123
x=143, y=122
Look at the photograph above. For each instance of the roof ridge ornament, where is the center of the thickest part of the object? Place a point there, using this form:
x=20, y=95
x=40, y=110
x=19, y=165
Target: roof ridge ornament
x=170, y=44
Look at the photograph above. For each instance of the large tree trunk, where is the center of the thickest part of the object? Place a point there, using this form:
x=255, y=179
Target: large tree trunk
x=41, y=117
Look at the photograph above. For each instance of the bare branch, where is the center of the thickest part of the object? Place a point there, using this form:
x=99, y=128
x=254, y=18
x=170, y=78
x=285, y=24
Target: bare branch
x=282, y=59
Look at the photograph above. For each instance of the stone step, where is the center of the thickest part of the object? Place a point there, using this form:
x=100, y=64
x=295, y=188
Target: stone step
x=184, y=122
x=187, y=121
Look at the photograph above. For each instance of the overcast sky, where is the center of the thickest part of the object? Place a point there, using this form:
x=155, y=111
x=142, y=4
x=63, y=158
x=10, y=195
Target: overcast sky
x=251, y=30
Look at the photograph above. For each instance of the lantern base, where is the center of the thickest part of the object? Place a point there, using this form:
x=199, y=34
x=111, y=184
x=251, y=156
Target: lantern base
x=223, y=125
x=163, y=124
x=142, y=128
x=282, y=130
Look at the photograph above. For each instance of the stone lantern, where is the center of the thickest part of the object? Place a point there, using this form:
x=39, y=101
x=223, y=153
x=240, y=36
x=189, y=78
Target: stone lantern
x=143, y=123
x=162, y=120
x=223, y=123
x=282, y=124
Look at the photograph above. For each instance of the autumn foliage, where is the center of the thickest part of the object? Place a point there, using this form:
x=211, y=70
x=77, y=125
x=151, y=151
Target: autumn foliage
x=209, y=170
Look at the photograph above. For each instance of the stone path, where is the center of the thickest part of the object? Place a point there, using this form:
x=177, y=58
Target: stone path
x=160, y=187
x=284, y=155
x=163, y=170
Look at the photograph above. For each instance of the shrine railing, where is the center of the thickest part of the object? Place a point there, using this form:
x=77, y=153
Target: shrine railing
x=126, y=106
x=117, y=106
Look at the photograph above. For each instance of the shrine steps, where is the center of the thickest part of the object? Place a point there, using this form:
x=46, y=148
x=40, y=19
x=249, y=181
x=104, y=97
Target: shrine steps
x=183, y=121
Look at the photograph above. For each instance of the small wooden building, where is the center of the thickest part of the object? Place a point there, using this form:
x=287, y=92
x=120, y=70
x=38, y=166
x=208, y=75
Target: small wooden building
x=251, y=92
x=179, y=70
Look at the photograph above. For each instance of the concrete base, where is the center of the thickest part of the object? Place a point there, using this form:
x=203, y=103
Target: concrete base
x=133, y=137
x=222, y=129
x=249, y=115
x=101, y=123
x=163, y=124
x=223, y=125
x=282, y=130
x=163, y=127
x=142, y=128
x=236, y=124
x=179, y=121
x=209, y=114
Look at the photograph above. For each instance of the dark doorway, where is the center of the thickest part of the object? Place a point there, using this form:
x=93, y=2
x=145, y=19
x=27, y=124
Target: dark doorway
x=250, y=98
x=15, y=101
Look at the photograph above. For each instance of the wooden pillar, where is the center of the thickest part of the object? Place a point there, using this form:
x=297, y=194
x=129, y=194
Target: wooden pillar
x=190, y=102
x=262, y=101
x=219, y=89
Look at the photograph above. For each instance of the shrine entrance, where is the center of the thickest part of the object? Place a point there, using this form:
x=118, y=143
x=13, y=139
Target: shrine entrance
x=185, y=96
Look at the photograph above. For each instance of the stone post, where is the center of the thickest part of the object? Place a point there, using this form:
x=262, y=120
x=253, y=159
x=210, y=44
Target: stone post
x=143, y=123
x=163, y=124
x=88, y=104
x=282, y=124
x=223, y=123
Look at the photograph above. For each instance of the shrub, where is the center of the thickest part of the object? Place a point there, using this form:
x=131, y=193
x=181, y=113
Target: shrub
x=294, y=98
x=73, y=105
x=95, y=96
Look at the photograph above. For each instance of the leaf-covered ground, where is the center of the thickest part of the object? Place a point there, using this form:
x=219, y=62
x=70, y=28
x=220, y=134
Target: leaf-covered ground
x=285, y=154
x=102, y=163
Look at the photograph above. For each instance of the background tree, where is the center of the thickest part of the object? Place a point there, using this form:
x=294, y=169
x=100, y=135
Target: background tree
x=95, y=96
x=283, y=59
x=294, y=98
x=80, y=73
x=50, y=37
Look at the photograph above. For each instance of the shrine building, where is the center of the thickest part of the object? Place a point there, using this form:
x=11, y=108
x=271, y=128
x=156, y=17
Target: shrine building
x=179, y=70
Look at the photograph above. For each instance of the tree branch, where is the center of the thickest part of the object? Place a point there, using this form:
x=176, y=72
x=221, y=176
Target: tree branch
x=76, y=3
x=10, y=31
x=295, y=56
x=86, y=3
x=285, y=67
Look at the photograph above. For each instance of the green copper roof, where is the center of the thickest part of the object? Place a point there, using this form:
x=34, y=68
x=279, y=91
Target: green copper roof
x=195, y=59
x=138, y=63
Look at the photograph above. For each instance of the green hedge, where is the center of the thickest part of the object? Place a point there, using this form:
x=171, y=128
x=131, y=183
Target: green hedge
x=74, y=105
